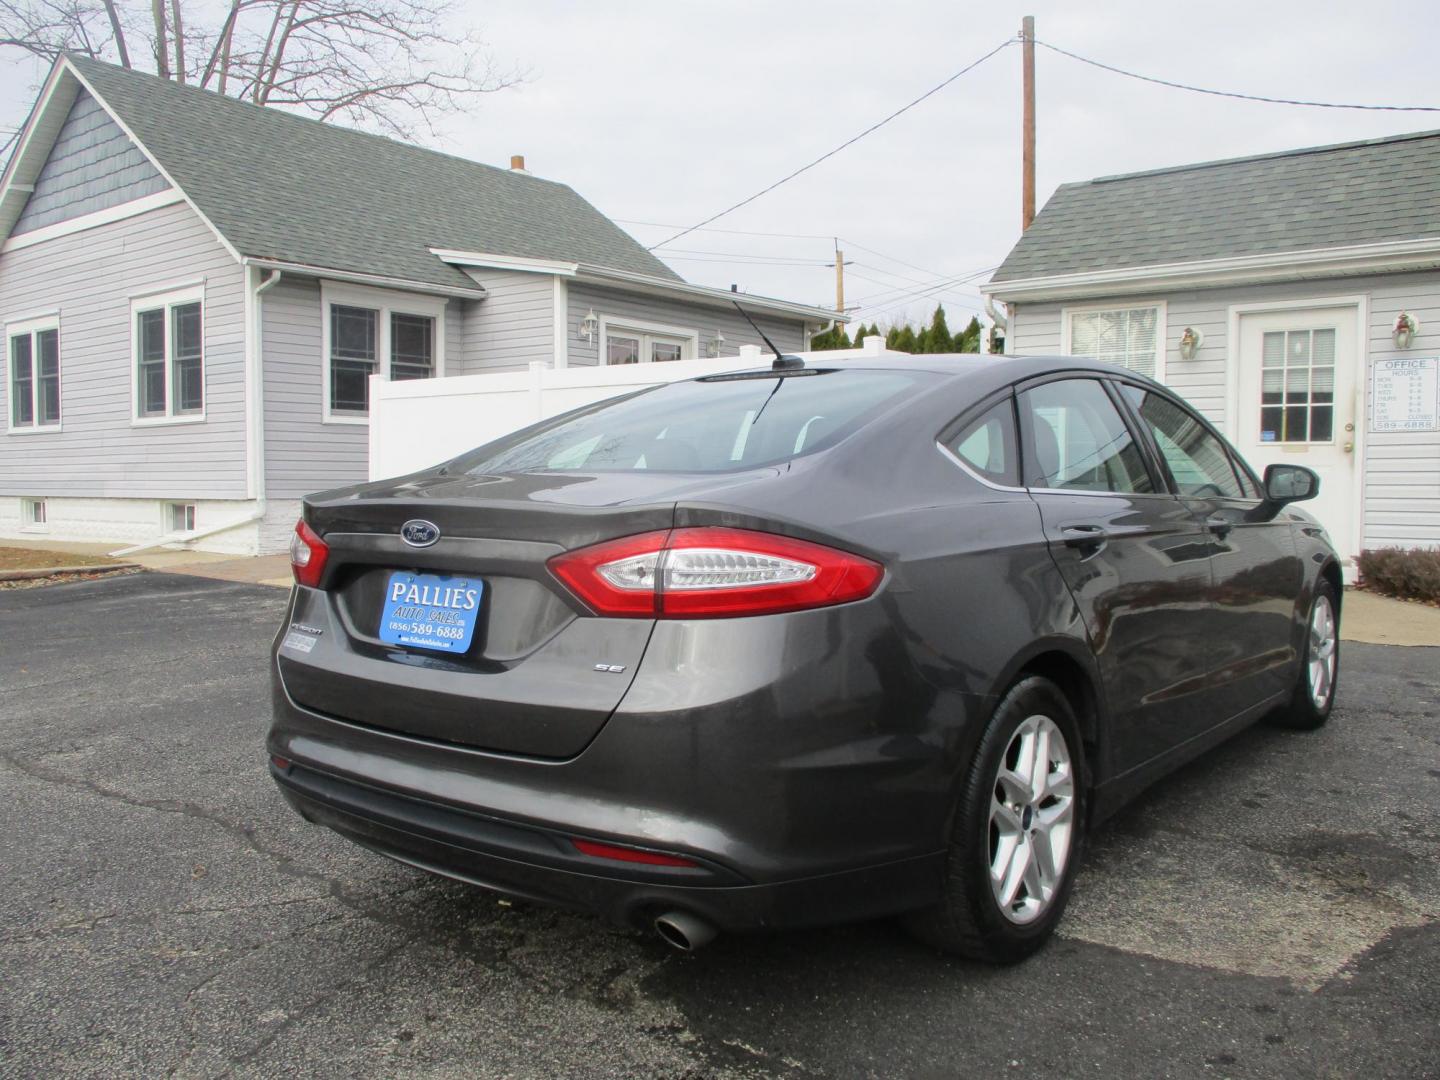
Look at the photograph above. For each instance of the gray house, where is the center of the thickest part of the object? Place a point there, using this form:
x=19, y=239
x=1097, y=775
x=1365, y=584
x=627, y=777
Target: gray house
x=195, y=291
x=1294, y=298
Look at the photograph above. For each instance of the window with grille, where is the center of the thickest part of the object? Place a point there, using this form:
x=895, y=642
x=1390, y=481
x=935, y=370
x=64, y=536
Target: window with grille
x=34, y=350
x=1128, y=336
x=1297, y=386
x=373, y=332
x=639, y=343
x=169, y=344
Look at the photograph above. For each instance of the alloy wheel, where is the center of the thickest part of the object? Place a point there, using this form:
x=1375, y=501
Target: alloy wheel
x=1322, y=652
x=1032, y=822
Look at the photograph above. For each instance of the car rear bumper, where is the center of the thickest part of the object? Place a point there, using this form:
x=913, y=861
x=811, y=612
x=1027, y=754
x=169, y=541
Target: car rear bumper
x=798, y=759
x=540, y=865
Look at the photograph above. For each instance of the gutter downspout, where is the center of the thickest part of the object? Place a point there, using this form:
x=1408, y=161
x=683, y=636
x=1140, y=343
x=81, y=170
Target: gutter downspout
x=187, y=537
x=258, y=390
x=1002, y=321
x=811, y=335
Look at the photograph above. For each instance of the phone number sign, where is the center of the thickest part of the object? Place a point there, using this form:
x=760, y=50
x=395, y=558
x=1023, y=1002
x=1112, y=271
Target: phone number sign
x=1406, y=395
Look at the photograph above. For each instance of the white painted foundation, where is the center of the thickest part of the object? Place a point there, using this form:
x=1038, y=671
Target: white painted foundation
x=126, y=522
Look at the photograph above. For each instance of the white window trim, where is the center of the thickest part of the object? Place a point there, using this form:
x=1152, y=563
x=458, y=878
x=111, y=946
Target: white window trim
x=31, y=326
x=386, y=302
x=28, y=526
x=167, y=300
x=643, y=330
x=1162, y=327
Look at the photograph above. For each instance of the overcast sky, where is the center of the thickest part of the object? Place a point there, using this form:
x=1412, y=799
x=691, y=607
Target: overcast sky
x=668, y=111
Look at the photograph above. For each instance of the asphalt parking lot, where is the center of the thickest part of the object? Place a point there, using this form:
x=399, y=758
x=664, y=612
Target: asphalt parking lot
x=1272, y=910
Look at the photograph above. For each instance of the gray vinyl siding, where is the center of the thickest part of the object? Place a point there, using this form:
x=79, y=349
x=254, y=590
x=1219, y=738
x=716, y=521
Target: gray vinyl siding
x=303, y=454
x=1401, y=482
x=93, y=166
x=513, y=326
x=617, y=306
x=89, y=279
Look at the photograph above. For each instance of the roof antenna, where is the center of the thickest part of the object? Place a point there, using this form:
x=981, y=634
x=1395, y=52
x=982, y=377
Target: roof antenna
x=783, y=362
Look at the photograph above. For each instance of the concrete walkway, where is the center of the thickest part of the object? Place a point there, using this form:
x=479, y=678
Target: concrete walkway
x=1381, y=620
x=253, y=570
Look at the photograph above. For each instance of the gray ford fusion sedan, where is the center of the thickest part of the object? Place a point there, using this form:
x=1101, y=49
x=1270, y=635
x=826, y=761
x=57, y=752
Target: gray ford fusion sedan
x=814, y=643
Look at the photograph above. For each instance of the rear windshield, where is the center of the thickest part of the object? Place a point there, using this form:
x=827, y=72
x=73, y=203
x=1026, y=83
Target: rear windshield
x=714, y=425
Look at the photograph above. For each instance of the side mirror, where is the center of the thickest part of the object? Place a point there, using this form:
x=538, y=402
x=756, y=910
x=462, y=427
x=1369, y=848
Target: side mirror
x=1290, y=483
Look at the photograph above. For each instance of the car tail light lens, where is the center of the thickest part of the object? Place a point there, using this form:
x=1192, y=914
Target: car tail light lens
x=713, y=572
x=629, y=854
x=307, y=555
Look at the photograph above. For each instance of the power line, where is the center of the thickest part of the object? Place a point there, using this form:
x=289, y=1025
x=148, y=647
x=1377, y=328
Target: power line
x=748, y=256
x=948, y=281
x=848, y=142
x=745, y=262
x=891, y=258
x=1234, y=94
x=732, y=232
x=881, y=303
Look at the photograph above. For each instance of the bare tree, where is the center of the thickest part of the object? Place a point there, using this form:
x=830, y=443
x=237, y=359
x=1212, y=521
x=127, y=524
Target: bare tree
x=392, y=66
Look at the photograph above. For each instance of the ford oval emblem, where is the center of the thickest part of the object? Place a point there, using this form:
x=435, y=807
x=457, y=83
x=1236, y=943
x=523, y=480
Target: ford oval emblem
x=418, y=533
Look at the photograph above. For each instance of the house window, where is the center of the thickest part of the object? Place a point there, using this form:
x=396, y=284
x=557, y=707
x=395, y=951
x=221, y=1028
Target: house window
x=639, y=343
x=1133, y=337
x=169, y=357
x=354, y=356
x=182, y=517
x=34, y=349
x=370, y=332
x=33, y=513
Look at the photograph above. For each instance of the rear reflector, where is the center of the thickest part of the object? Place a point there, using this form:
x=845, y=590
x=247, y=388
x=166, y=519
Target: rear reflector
x=630, y=855
x=279, y=762
x=307, y=555
x=713, y=572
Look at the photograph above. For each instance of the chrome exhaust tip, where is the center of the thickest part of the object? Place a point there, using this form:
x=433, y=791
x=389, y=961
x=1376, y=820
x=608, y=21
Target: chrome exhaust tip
x=683, y=931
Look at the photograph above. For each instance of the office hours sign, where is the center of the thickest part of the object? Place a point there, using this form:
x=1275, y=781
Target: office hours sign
x=1405, y=395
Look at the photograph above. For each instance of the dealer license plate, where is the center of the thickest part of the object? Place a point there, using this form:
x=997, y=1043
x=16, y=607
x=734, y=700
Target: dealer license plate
x=431, y=611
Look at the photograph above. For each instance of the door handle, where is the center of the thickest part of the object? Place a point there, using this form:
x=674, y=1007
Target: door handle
x=1219, y=525
x=1088, y=538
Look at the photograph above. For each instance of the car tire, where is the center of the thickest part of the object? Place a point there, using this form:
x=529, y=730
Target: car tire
x=1310, y=706
x=996, y=858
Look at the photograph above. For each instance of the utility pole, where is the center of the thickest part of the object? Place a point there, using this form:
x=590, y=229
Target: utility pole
x=1027, y=154
x=839, y=265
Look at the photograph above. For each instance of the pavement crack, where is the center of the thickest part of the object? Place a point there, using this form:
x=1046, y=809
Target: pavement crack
x=319, y=1001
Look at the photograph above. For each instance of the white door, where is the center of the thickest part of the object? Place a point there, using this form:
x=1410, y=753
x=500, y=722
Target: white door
x=1299, y=403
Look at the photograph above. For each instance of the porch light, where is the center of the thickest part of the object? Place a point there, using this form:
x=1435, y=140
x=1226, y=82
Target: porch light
x=590, y=325
x=715, y=344
x=1190, y=342
x=1406, y=327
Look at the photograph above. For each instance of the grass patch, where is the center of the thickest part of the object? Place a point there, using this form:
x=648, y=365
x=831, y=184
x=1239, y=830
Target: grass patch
x=1407, y=574
x=14, y=558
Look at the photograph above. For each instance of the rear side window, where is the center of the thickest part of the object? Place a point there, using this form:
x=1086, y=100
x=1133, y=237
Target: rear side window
x=1077, y=441
x=1197, y=459
x=713, y=425
x=987, y=444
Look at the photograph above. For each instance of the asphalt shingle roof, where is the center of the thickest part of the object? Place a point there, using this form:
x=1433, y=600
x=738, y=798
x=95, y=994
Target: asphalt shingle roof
x=1326, y=196
x=283, y=187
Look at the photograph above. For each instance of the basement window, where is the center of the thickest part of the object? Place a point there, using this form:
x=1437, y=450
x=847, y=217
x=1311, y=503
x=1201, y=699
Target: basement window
x=33, y=515
x=182, y=517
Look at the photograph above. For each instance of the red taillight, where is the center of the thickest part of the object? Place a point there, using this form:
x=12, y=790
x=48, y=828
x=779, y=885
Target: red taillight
x=307, y=555
x=627, y=854
x=713, y=572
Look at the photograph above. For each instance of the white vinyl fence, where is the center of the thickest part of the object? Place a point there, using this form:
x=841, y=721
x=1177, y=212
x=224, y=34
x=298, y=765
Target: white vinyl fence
x=422, y=422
